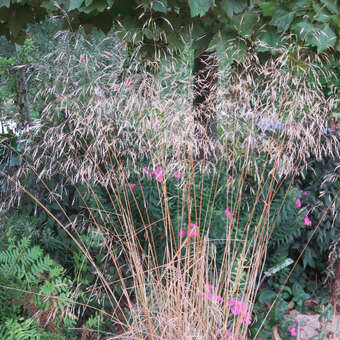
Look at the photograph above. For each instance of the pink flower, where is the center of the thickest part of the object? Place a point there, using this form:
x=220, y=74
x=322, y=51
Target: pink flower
x=211, y=296
x=228, y=334
x=209, y=287
x=231, y=303
x=150, y=174
x=177, y=174
x=240, y=308
x=83, y=59
x=228, y=213
x=128, y=83
x=132, y=186
x=305, y=193
x=193, y=230
x=182, y=233
x=192, y=233
x=308, y=222
x=159, y=174
x=145, y=170
x=159, y=178
x=292, y=331
x=219, y=298
x=298, y=203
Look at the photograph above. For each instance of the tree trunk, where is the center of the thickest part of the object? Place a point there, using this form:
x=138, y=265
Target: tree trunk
x=204, y=103
x=22, y=96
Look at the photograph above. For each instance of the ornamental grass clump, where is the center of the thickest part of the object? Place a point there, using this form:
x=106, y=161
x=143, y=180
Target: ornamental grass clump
x=183, y=238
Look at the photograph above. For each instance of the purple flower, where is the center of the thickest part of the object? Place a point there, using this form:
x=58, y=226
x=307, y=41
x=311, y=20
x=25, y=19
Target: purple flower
x=308, y=222
x=159, y=174
x=177, y=174
x=228, y=213
x=182, y=233
x=193, y=230
x=298, y=203
x=209, y=287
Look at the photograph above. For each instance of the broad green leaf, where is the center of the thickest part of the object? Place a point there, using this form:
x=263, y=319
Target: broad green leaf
x=49, y=5
x=336, y=20
x=236, y=50
x=268, y=8
x=270, y=40
x=280, y=307
x=337, y=47
x=232, y=7
x=331, y=5
x=199, y=7
x=5, y=3
x=321, y=14
x=298, y=5
x=75, y=4
x=98, y=5
x=282, y=19
x=246, y=24
x=160, y=6
x=266, y=296
x=88, y=2
x=323, y=39
x=305, y=29
x=298, y=293
x=321, y=36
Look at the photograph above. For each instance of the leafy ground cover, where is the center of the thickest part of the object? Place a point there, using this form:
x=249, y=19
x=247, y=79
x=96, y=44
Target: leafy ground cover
x=114, y=227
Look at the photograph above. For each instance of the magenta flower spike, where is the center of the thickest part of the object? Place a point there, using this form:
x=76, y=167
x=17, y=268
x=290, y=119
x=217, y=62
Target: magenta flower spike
x=292, y=331
x=192, y=233
x=298, y=203
x=209, y=287
x=177, y=174
x=193, y=230
x=132, y=186
x=228, y=335
x=159, y=174
x=307, y=221
x=182, y=233
x=228, y=213
x=211, y=296
x=219, y=299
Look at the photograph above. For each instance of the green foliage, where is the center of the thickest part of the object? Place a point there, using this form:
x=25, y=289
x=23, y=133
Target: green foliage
x=27, y=277
x=20, y=329
x=315, y=23
x=199, y=7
